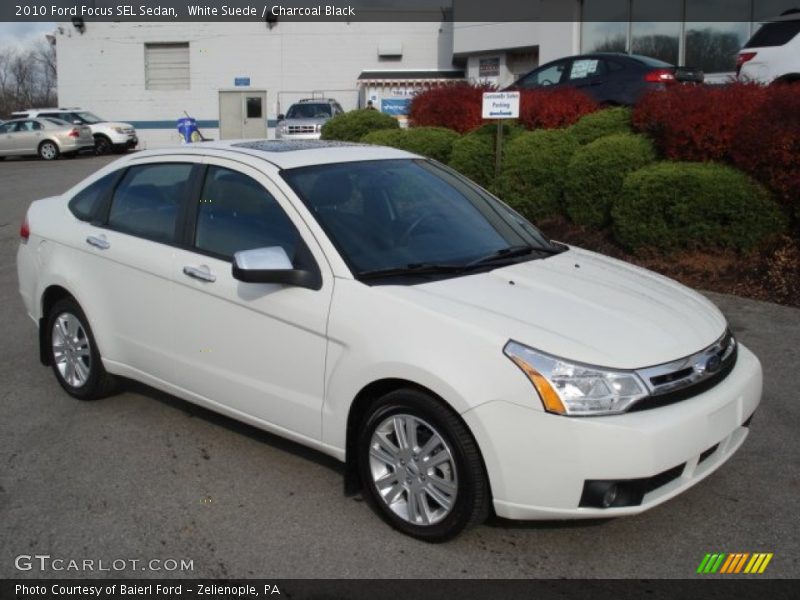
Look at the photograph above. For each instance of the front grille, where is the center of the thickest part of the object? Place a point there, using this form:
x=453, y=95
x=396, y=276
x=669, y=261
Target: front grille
x=300, y=129
x=688, y=377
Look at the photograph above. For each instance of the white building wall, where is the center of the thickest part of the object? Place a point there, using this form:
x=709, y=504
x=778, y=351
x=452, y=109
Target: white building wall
x=103, y=69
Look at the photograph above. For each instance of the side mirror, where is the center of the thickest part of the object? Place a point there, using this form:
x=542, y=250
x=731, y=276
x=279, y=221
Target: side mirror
x=281, y=117
x=272, y=265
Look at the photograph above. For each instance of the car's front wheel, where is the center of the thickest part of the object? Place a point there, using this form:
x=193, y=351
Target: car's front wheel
x=73, y=353
x=421, y=468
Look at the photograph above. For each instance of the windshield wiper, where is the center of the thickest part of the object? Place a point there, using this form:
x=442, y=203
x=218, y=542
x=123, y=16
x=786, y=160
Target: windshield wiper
x=511, y=252
x=412, y=270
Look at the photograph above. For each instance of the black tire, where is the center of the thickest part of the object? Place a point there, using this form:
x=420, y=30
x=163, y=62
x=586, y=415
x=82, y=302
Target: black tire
x=472, y=496
x=102, y=145
x=48, y=150
x=96, y=383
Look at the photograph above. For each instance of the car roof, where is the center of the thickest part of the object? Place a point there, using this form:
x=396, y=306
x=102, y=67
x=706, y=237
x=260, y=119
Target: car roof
x=286, y=154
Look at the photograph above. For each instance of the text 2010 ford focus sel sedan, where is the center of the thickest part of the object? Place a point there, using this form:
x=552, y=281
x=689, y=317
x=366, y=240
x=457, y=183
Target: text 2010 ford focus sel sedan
x=384, y=310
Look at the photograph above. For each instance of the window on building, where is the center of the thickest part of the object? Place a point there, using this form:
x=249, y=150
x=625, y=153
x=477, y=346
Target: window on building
x=166, y=66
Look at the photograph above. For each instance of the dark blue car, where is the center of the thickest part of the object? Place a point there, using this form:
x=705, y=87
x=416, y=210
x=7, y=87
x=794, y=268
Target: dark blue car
x=609, y=78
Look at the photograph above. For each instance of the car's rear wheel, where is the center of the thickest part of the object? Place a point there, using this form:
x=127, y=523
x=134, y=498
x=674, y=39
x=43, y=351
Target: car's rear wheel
x=421, y=468
x=74, y=356
x=102, y=145
x=48, y=150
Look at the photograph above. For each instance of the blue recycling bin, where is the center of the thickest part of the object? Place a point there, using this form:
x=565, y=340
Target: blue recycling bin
x=187, y=127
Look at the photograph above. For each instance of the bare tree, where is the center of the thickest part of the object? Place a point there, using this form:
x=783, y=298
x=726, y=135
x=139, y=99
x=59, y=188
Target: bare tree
x=27, y=77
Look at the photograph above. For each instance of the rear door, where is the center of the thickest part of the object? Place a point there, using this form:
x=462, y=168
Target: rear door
x=128, y=250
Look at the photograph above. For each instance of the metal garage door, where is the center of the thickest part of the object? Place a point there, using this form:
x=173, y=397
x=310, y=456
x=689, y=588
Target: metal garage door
x=166, y=66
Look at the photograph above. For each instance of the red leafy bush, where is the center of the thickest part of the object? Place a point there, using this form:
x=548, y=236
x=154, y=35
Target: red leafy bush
x=456, y=107
x=552, y=109
x=697, y=123
x=767, y=144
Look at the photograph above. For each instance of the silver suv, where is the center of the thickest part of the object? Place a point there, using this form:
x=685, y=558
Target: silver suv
x=304, y=119
x=108, y=136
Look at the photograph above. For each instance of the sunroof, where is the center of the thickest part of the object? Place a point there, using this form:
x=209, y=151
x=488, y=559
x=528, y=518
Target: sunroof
x=291, y=145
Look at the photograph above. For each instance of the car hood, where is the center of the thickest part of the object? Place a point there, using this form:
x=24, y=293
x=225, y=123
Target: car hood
x=581, y=306
x=319, y=121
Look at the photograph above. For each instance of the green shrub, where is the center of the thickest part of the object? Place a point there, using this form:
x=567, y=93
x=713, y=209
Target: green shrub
x=433, y=142
x=670, y=205
x=354, y=125
x=596, y=173
x=534, y=170
x=473, y=154
x=602, y=123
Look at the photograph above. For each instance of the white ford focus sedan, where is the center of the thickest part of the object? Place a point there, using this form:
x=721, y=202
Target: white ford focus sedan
x=382, y=309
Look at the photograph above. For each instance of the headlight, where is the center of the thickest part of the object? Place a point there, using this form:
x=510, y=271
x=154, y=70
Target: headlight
x=574, y=389
x=317, y=127
x=119, y=130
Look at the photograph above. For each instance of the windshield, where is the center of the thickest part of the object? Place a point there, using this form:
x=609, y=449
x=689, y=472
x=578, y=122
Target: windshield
x=396, y=214
x=88, y=117
x=312, y=110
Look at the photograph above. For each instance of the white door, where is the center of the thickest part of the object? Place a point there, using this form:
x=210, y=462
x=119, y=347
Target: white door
x=256, y=348
x=242, y=115
x=130, y=259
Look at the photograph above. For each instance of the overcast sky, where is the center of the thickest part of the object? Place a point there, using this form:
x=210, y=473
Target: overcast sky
x=22, y=34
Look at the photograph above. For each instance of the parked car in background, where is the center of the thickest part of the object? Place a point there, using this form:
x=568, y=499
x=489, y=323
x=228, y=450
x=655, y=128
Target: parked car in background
x=382, y=309
x=108, y=136
x=772, y=55
x=304, y=119
x=609, y=78
x=47, y=138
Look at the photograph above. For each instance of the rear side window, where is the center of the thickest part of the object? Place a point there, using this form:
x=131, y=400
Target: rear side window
x=146, y=201
x=237, y=213
x=85, y=203
x=774, y=34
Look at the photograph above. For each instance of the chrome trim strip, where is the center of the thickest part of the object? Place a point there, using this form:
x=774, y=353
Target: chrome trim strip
x=699, y=366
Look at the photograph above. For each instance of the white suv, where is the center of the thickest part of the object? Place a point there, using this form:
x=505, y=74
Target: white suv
x=108, y=136
x=773, y=53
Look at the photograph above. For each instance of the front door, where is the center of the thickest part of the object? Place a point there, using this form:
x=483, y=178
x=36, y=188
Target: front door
x=242, y=115
x=258, y=349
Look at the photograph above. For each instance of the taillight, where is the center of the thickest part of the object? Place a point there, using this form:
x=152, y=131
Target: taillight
x=743, y=58
x=660, y=76
x=25, y=229
x=74, y=133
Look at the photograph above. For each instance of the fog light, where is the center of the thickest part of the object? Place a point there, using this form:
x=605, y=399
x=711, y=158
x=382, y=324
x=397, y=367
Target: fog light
x=610, y=495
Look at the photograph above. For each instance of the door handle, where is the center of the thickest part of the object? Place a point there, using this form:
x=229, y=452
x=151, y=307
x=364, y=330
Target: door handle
x=98, y=242
x=201, y=273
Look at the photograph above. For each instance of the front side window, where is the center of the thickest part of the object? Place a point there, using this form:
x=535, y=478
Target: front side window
x=145, y=203
x=545, y=76
x=86, y=117
x=236, y=213
x=390, y=214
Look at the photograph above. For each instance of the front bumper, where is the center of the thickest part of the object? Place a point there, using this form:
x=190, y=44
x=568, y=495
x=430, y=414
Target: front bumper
x=538, y=462
x=298, y=136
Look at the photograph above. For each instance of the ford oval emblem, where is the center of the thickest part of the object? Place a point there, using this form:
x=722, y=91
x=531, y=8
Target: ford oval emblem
x=713, y=364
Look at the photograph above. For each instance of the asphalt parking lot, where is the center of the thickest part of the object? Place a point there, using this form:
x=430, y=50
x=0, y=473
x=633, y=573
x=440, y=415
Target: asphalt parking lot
x=142, y=475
